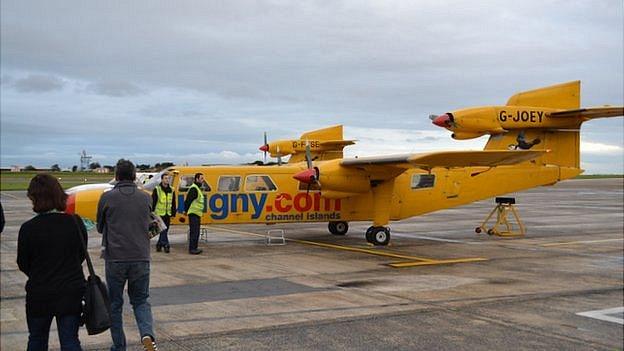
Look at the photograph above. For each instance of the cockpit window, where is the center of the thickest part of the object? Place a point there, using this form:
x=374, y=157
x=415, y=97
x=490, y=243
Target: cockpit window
x=420, y=181
x=229, y=183
x=187, y=180
x=259, y=183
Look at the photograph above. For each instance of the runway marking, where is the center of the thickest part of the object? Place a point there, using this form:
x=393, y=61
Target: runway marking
x=432, y=238
x=10, y=195
x=413, y=260
x=581, y=242
x=436, y=262
x=604, y=315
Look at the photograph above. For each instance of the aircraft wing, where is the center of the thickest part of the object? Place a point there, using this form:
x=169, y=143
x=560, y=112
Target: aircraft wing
x=446, y=159
x=590, y=112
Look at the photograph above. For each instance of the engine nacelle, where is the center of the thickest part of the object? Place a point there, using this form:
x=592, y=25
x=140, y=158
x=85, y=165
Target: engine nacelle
x=464, y=136
x=335, y=178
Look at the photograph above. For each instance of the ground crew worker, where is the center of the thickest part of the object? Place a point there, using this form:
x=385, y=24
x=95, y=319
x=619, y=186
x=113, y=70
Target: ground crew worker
x=164, y=205
x=194, y=207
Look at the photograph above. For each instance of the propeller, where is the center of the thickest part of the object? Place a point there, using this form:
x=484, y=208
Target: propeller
x=265, y=147
x=279, y=156
x=445, y=120
x=311, y=174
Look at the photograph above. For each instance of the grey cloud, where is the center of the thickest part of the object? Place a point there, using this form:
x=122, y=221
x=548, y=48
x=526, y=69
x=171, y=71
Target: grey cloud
x=38, y=83
x=114, y=88
x=219, y=71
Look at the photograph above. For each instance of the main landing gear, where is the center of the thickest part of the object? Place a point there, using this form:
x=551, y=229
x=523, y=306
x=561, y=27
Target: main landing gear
x=338, y=228
x=378, y=235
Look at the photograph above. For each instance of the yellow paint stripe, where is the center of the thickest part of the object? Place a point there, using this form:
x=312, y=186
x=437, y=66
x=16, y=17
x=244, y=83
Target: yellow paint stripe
x=338, y=247
x=581, y=242
x=413, y=261
x=357, y=249
x=436, y=262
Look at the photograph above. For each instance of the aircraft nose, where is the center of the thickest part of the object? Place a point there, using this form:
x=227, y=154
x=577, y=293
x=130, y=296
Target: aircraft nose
x=264, y=148
x=70, y=207
x=306, y=176
x=443, y=121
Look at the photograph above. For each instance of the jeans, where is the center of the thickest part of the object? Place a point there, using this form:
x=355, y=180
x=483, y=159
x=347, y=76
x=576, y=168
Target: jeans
x=39, y=330
x=163, y=240
x=194, y=223
x=137, y=274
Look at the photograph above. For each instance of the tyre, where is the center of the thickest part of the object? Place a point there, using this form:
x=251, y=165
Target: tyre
x=379, y=236
x=338, y=228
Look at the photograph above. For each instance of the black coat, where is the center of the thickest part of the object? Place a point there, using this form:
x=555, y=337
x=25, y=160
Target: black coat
x=49, y=252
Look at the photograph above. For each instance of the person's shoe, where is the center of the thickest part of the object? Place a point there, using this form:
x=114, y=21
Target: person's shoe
x=158, y=247
x=167, y=248
x=196, y=251
x=148, y=343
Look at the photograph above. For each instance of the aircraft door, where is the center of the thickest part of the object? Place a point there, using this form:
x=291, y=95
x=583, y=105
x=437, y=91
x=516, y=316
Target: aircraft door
x=453, y=180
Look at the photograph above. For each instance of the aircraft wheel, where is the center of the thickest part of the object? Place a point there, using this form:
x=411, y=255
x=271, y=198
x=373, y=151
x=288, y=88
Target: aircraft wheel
x=379, y=236
x=338, y=228
x=369, y=233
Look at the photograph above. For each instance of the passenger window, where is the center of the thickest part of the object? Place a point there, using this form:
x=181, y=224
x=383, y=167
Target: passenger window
x=229, y=183
x=420, y=181
x=259, y=183
x=187, y=180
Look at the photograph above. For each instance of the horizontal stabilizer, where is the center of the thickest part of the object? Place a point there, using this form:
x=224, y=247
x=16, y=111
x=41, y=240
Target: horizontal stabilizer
x=448, y=159
x=590, y=113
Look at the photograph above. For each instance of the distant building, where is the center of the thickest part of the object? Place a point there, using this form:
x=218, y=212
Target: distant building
x=15, y=168
x=101, y=170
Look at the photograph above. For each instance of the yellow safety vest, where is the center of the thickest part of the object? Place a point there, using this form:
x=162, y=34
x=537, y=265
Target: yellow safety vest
x=163, y=206
x=197, y=206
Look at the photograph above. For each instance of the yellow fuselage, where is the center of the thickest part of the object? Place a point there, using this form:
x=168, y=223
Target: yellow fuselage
x=291, y=202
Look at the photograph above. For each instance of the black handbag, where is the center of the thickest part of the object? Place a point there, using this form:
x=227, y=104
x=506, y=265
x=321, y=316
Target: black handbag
x=96, y=310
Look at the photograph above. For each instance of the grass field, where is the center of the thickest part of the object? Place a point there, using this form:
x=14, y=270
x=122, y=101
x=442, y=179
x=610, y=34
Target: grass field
x=20, y=180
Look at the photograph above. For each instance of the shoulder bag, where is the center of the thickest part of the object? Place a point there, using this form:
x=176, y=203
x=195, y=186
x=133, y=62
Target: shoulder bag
x=96, y=309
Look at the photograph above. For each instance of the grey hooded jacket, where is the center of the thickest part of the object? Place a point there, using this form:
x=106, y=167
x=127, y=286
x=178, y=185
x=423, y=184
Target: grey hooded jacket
x=123, y=217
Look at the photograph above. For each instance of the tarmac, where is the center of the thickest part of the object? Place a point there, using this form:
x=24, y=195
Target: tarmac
x=438, y=285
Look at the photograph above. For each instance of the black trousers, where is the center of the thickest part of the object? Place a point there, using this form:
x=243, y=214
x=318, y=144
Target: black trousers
x=194, y=223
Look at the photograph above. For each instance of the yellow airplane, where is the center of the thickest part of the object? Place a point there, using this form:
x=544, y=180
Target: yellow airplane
x=534, y=141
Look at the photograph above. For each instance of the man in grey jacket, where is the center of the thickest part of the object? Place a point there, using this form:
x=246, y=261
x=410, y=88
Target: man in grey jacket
x=123, y=217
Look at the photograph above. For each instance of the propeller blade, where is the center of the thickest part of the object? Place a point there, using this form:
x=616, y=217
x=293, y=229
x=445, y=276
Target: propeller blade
x=432, y=117
x=279, y=156
x=267, y=146
x=308, y=155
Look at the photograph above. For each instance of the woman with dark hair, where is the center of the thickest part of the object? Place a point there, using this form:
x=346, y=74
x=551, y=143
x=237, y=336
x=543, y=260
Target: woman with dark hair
x=50, y=253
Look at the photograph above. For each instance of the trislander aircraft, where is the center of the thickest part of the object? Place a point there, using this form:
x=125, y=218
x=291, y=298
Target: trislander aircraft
x=534, y=140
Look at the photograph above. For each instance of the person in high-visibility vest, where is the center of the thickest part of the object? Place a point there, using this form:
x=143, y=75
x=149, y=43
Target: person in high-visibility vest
x=194, y=207
x=164, y=205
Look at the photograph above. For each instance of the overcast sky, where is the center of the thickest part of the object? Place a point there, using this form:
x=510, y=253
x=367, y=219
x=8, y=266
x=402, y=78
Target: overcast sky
x=200, y=81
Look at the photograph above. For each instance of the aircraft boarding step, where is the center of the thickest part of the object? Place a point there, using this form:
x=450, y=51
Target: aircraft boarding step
x=272, y=239
x=203, y=234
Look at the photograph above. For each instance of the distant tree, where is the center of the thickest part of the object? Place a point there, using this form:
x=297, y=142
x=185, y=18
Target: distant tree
x=30, y=168
x=94, y=165
x=161, y=166
x=55, y=168
x=143, y=167
x=74, y=168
